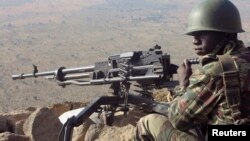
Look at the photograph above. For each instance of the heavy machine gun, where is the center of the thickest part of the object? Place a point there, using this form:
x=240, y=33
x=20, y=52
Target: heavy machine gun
x=149, y=69
x=140, y=66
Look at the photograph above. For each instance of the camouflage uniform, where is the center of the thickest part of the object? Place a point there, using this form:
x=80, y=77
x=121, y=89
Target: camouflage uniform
x=203, y=102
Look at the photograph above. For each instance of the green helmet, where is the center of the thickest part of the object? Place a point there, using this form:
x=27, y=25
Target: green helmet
x=215, y=15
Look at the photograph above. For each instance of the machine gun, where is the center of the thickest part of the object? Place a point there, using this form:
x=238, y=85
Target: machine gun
x=140, y=66
x=150, y=69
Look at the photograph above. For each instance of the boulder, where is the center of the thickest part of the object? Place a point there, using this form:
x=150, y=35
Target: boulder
x=7, y=136
x=42, y=125
x=15, y=116
x=6, y=125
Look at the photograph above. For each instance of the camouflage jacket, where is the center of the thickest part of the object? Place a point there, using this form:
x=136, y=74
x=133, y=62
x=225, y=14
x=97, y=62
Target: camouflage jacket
x=203, y=101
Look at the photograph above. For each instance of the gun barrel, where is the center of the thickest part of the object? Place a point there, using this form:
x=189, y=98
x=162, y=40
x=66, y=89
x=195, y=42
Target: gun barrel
x=118, y=79
x=77, y=76
x=109, y=80
x=78, y=70
x=27, y=75
x=51, y=74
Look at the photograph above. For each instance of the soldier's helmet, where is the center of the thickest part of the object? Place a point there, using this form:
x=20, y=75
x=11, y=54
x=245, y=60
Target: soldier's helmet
x=215, y=15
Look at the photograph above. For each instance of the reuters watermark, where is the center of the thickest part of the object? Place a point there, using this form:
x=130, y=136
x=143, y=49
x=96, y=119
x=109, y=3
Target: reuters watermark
x=240, y=132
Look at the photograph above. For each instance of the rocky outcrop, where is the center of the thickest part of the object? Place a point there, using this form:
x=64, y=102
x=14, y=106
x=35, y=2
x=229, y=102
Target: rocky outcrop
x=34, y=123
x=42, y=124
x=7, y=136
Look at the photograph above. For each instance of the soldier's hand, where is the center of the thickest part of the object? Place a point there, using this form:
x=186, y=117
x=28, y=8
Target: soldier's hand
x=184, y=72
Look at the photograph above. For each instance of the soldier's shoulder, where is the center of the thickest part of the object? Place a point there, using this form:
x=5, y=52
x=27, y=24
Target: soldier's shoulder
x=211, y=66
x=210, y=69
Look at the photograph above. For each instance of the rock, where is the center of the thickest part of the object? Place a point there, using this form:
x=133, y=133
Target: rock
x=7, y=136
x=60, y=108
x=93, y=132
x=14, y=120
x=42, y=125
x=114, y=133
x=19, y=127
x=80, y=131
x=6, y=125
x=17, y=115
x=31, y=109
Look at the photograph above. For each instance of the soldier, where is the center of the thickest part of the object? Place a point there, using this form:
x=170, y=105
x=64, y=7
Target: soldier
x=216, y=93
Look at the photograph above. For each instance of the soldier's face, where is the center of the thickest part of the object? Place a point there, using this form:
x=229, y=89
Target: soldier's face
x=206, y=41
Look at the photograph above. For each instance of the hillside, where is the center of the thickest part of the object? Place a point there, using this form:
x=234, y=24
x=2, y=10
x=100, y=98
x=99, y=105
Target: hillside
x=55, y=33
